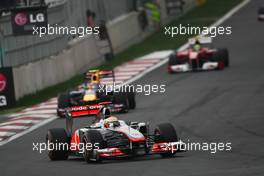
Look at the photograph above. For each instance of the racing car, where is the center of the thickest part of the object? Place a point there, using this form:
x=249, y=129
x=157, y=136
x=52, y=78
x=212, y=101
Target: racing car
x=92, y=94
x=261, y=14
x=199, y=56
x=110, y=138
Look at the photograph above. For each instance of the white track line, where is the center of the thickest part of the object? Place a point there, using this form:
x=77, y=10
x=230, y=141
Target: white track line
x=29, y=114
x=220, y=21
x=27, y=131
x=46, y=103
x=136, y=66
x=35, y=114
x=6, y=134
x=40, y=108
x=44, y=106
x=117, y=78
x=144, y=60
x=20, y=122
x=111, y=82
x=155, y=55
x=139, y=65
x=131, y=69
x=13, y=127
x=48, y=111
x=21, y=116
x=123, y=77
x=125, y=73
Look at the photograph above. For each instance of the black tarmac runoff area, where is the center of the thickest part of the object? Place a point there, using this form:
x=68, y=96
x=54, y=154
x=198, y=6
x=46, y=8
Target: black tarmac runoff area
x=218, y=106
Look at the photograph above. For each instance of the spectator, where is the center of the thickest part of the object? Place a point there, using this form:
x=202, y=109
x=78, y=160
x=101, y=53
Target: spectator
x=143, y=20
x=154, y=13
x=103, y=35
x=90, y=18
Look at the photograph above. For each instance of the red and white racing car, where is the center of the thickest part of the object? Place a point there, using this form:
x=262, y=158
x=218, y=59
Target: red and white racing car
x=261, y=14
x=199, y=56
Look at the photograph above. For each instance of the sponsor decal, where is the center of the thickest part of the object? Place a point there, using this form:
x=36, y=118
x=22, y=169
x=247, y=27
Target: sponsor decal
x=95, y=107
x=21, y=19
x=79, y=108
x=3, y=82
x=7, y=91
x=3, y=101
x=24, y=20
x=84, y=108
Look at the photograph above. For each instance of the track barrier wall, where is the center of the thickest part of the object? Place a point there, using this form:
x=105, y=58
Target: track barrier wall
x=41, y=63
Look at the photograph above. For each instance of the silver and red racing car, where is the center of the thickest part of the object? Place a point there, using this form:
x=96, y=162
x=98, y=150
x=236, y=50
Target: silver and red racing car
x=110, y=138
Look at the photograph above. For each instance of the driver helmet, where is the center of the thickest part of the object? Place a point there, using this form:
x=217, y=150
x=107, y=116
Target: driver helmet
x=197, y=45
x=105, y=113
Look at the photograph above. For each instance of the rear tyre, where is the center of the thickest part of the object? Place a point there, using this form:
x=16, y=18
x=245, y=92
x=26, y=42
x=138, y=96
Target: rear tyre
x=122, y=98
x=58, y=137
x=260, y=12
x=131, y=99
x=173, y=60
x=63, y=102
x=219, y=58
x=165, y=132
x=94, y=139
x=224, y=55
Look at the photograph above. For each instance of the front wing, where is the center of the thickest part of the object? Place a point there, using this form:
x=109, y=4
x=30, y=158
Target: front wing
x=157, y=148
x=187, y=67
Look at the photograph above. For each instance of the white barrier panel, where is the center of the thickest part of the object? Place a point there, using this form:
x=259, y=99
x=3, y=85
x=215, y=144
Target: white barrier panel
x=124, y=30
x=44, y=73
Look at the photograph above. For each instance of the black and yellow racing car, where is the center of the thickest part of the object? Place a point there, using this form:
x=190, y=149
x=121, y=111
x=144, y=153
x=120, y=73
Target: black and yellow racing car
x=93, y=93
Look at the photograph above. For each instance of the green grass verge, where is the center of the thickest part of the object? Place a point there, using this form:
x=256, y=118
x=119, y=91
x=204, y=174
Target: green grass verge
x=200, y=16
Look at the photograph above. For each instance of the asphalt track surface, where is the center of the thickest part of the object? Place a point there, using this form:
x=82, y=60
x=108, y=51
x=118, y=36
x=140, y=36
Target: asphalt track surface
x=219, y=106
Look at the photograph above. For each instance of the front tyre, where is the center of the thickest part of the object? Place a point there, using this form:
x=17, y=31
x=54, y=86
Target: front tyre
x=60, y=140
x=165, y=132
x=122, y=98
x=94, y=139
x=131, y=100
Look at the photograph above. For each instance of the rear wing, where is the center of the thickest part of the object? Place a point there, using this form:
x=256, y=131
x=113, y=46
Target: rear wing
x=201, y=39
x=81, y=112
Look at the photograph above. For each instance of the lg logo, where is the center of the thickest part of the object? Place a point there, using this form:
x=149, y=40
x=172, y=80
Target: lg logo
x=22, y=19
x=38, y=18
x=3, y=101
